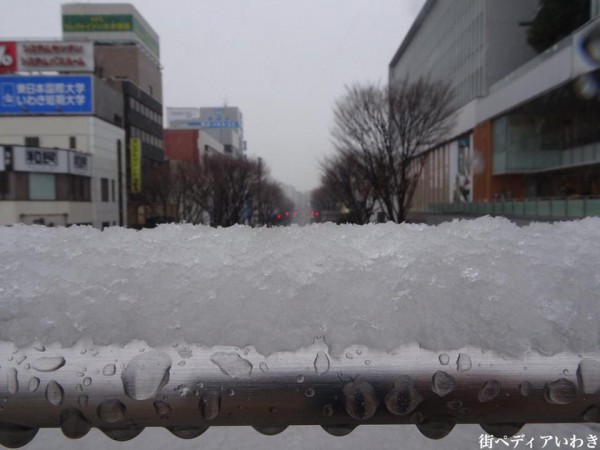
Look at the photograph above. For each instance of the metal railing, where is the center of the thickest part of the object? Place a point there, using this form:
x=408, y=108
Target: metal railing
x=539, y=208
x=188, y=388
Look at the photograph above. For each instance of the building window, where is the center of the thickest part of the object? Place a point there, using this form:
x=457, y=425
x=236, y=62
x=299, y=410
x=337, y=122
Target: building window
x=32, y=141
x=72, y=142
x=112, y=189
x=104, y=189
x=81, y=189
x=42, y=186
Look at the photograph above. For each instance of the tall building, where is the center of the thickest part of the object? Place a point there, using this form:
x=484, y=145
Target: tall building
x=470, y=44
x=127, y=55
x=524, y=144
x=61, y=138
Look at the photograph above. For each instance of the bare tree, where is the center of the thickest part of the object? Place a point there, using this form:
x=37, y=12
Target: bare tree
x=342, y=181
x=169, y=193
x=225, y=187
x=386, y=133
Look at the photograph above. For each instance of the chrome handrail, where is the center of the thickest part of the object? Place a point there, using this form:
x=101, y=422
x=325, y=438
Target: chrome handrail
x=188, y=388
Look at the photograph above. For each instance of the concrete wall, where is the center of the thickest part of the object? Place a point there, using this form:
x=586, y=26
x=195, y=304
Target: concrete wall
x=129, y=62
x=208, y=144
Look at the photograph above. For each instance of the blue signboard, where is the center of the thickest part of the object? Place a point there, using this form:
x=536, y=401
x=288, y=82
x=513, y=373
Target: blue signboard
x=46, y=94
x=208, y=123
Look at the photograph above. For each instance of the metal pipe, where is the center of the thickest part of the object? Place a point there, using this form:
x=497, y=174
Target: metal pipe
x=187, y=388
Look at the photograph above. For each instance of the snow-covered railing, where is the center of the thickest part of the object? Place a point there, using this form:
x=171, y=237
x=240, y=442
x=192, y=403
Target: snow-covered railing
x=96, y=328
x=188, y=388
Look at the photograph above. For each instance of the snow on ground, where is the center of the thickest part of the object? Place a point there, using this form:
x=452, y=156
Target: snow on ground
x=463, y=437
x=485, y=282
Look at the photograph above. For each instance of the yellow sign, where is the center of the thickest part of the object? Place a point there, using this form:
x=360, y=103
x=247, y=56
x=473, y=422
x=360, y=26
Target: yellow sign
x=135, y=150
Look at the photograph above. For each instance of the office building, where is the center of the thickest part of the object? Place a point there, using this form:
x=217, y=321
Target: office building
x=524, y=144
x=127, y=55
x=225, y=124
x=62, y=159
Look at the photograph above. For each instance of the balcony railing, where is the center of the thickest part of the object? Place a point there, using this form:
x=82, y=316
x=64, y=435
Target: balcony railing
x=519, y=162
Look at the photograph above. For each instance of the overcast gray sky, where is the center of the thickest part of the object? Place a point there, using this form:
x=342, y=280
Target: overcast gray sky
x=283, y=62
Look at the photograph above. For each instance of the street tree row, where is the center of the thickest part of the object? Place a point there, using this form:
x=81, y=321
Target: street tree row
x=220, y=190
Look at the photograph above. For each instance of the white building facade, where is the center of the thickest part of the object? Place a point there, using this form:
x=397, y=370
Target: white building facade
x=39, y=193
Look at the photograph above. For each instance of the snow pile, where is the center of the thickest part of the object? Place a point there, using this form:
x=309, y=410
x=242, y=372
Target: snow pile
x=486, y=283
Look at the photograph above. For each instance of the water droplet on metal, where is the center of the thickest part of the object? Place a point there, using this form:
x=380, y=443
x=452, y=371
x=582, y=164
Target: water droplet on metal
x=73, y=424
x=270, y=431
x=592, y=414
x=181, y=363
x=442, y=383
x=79, y=388
x=187, y=432
x=309, y=392
x=39, y=347
x=14, y=436
x=321, y=363
x=404, y=397
x=87, y=381
x=80, y=374
x=34, y=382
x=210, y=404
x=349, y=355
x=444, y=359
x=12, y=381
x=231, y=392
x=437, y=427
x=263, y=367
x=48, y=363
x=146, y=374
x=111, y=411
x=300, y=379
x=588, y=376
x=123, y=434
x=360, y=400
x=27, y=366
x=232, y=364
x=454, y=404
x=83, y=400
x=339, y=430
x=109, y=370
x=566, y=372
x=560, y=392
x=502, y=430
x=162, y=409
x=328, y=410
x=417, y=417
x=463, y=363
x=525, y=388
x=489, y=391
x=54, y=393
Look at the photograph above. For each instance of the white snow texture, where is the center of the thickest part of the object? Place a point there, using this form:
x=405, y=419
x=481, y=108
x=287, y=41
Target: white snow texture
x=486, y=283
